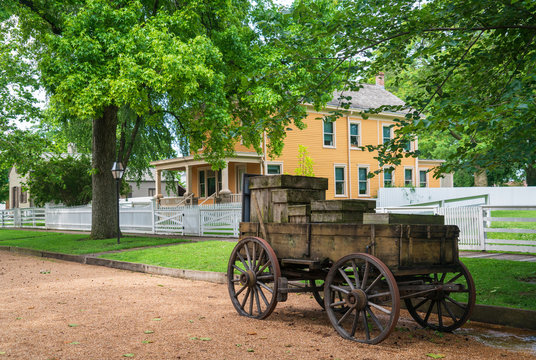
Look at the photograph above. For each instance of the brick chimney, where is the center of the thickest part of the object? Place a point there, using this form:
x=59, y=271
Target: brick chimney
x=380, y=79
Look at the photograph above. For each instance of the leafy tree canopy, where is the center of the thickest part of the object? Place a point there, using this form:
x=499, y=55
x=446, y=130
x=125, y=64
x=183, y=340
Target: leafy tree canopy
x=65, y=180
x=472, y=71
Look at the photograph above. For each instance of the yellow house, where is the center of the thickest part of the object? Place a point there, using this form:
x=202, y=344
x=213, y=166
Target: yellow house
x=334, y=148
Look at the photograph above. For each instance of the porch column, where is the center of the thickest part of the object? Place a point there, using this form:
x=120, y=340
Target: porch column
x=158, y=181
x=188, y=180
x=225, y=180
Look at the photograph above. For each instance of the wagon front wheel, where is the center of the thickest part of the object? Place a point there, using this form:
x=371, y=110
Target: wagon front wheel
x=361, y=298
x=448, y=304
x=252, y=276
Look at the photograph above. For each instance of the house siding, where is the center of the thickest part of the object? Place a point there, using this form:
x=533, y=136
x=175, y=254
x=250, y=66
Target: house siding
x=326, y=158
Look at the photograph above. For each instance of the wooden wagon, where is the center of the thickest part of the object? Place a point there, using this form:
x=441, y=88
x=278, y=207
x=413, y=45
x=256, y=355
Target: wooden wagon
x=358, y=271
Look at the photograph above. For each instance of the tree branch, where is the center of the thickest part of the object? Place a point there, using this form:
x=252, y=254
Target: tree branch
x=132, y=139
x=39, y=12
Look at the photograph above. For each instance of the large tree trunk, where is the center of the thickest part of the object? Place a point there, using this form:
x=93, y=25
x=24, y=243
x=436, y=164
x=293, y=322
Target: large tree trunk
x=531, y=175
x=104, y=201
x=481, y=178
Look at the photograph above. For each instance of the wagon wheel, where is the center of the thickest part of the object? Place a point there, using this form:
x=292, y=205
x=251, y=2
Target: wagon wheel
x=318, y=291
x=252, y=275
x=370, y=304
x=451, y=300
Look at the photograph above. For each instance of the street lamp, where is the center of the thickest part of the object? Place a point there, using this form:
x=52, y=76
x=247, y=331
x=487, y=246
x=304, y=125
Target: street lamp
x=117, y=173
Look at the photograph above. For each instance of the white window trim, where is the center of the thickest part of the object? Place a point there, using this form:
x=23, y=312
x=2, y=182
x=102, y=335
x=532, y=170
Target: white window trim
x=427, y=178
x=335, y=166
x=334, y=135
x=391, y=131
x=280, y=163
x=392, y=175
x=205, y=168
x=368, y=180
x=237, y=178
x=359, y=142
x=412, y=175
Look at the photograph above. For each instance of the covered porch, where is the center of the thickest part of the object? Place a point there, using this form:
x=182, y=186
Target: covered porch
x=205, y=186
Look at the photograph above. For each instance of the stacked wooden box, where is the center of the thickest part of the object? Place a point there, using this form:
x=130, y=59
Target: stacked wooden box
x=406, y=219
x=341, y=211
x=284, y=198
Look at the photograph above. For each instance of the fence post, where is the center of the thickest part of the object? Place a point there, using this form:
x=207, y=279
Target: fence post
x=153, y=215
x=16, y=217
x=481, y=225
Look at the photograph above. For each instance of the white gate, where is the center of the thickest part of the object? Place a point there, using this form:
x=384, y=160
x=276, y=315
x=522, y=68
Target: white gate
x=169, y=221
x=223, y=222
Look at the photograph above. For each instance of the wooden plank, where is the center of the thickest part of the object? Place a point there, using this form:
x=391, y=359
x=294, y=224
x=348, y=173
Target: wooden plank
x=518, y=248
x=297, y=196
x=337, y=217
x=299, y=210
x=299, y=219
x=340, y=229
x=343, y=205
x=390, y=218
x=288, y=182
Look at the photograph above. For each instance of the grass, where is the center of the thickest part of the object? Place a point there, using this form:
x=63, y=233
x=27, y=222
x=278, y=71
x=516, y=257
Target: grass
x=513, y=225
x=76, y=244
x=504, y=283
x=204, y=256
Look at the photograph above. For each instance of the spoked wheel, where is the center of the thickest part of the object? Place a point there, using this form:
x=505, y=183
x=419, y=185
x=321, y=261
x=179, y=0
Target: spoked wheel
x=253, y=273
x=450, y=302
x=361, y=298
x=318, y=291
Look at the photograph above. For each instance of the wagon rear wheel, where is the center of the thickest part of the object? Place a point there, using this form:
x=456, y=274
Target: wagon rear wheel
x=450, y=302
x=361, y=298
x=253, y=272
x=318, y=291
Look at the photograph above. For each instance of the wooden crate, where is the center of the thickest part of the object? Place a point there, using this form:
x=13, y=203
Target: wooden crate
x=373, y=218
x=405, y=249
x=274, y=194
x=340, y=211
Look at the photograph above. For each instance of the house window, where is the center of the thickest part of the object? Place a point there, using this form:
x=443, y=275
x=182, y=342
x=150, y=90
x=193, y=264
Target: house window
x=151, y=192
x=408, y=177
x=388, y=180
x=386, y=133
x=329, y=133
x=23, y=197
x=240, y=171
x=208, y=182
x=423, y=178
x=355, y=140
x=407, y=145
x=273, y=169
x=340, y=181
x=363, y=184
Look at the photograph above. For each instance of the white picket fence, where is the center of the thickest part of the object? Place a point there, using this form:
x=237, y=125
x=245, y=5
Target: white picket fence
x=212, y=220
x=476, y=222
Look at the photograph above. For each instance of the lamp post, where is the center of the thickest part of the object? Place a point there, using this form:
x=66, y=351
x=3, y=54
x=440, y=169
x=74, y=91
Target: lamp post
x=117, y=173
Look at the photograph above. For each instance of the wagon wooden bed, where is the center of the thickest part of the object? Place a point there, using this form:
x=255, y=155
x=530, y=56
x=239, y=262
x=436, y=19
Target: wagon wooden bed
x=358, y=273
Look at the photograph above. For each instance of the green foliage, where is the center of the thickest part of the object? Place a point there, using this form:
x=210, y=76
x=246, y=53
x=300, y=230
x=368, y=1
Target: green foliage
x=4, y=185
x=65, y=180
x=305, y=162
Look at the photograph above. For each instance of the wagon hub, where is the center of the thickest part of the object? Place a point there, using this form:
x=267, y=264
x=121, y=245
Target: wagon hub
x=356, y=298
x=248, y=278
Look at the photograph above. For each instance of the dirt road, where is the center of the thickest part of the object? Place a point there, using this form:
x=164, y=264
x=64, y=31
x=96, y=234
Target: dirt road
x=52, y=309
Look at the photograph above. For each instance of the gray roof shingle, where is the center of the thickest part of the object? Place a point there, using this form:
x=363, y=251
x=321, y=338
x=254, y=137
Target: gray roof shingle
x=368, y=97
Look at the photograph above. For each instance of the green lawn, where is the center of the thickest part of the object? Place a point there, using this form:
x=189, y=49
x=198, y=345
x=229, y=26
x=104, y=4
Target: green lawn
x=504, y=283
x=76, y=244
x=205, y=256
x=513, y=225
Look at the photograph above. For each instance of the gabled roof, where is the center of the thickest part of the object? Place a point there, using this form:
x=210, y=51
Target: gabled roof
x=368, y=97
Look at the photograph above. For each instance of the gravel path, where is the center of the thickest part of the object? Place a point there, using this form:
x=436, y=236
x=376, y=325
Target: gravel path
x=52, y=309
